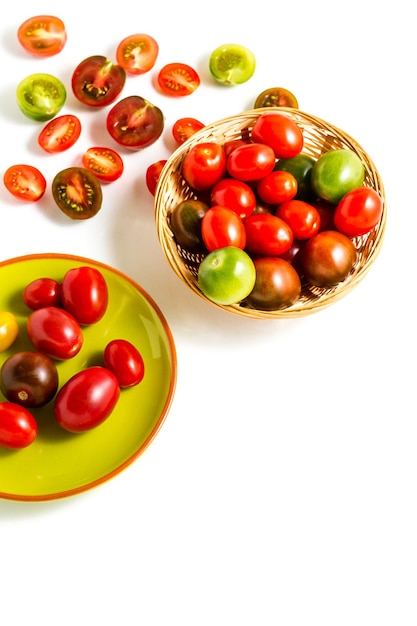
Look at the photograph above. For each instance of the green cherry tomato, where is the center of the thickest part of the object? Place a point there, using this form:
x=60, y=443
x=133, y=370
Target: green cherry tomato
x=40, y=96
x=335, y=173
x=232, y=64
x=227, y=275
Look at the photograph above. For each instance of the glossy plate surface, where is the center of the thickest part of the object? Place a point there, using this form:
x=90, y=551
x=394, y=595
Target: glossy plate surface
x=58, y=463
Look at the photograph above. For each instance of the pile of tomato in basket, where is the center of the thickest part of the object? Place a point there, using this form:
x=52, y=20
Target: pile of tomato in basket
x=267, y=217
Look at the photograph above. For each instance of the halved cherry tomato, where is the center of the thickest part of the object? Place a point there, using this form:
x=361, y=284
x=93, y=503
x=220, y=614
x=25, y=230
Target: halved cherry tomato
x=280, y=132
x=97, y=81
x=221, y=227
x=234, y=194
x=153, y=173
x=60, y=133
x=184, y=128
x=178, y=79
x=232, y=64
x=77, y=192
x=25, y=182
x=204, y=165
x=276, y=97
x=137, y=53
x=303, y=218
x=105, y=163
x=277, y=186
x=18, y=427
x=267, y=235
x=42, y=35
x=251, y=162
x=135, y=123
x=41, y=96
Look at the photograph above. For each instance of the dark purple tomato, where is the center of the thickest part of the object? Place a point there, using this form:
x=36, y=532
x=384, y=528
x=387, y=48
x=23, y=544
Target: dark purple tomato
x=327, y=258
x=135, y=123
x=125, y=361
x=29, y=378
x=18, y=427
x=277, y=285
x=97, y=81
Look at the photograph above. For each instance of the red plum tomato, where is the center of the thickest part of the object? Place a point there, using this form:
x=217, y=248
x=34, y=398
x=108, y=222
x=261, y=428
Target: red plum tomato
x=97, y=81
x=42, y=292
x=235, y=195
x=303, y=218
x=267, y=235
x=184, y=128
x=29, y=378
x=85, y=294
x=221, y=227
x=25, y=182
x=204, y=165
x=60, y=133
x=125, y=361
x=280, y=132
x=358, y=212
x=18, y=427
x=135, y=123
x=327, y=258
x=251, y=162
x=137, y=53
x=106, y=164
x=277, y=284
x=55, y=332
x=87, y=399
x=276, y=187
x=178, y=79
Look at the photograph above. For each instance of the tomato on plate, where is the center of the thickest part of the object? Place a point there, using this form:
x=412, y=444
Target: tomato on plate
x=105, y=163
x=276, y=97
x=24, y=182
x=327, y=258
x=178, y=79
x=358, y=212
x=251, y=162
x=152, y=174
x=29, y=378
x=55, y=332
x=204, y=165
x=232, y=64
x=276, y=187
x=125, y=361
x=77, y=193
x=184, y=128
x=97, y=81
x=280, y=132
x=221, y=227
x=267, y=235
x=43, y=291
x=41, y=96
x=303, y=218
x=135, y=123
x=137, y=53
x=60, y=133
x=234, y=194
x=18, y=427
x=84, y=294
x=42, y=35
x=9, y=330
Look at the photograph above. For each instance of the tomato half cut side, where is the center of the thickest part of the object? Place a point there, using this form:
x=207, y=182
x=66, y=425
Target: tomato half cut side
x=135, y=123
x=41, y=96
x=77, y=193
x=25, y=182
x=276, y=97
x=42, y=35
x=137, y=53
x=60, y=133
x=97, y=81
x=178, y=79
x=184, y=128
x=232, y=64
x=105, y=163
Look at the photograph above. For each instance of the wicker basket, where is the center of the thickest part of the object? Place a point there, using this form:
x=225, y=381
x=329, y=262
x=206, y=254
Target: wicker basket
x=319, y=137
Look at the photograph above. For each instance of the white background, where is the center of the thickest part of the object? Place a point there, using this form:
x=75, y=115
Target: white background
x=281, y=489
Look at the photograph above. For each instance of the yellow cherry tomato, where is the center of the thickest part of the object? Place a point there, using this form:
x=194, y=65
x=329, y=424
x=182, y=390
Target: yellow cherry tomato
x=9, y=330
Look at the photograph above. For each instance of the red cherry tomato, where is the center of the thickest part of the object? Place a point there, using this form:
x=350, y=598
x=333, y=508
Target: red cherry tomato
x=125, y=361
x=105, y=163
x=153, y=173
x=303, y=218
x=178, y=79
x=97, y=81
x=84, y=294
x=42, y=292
x=251, y=162
x=234, y=194
x=267, y=235
x=87, y=399
x=60, y=133
x=25, y=182
x=276, y=187
x=135, y=123
x=221, y=227
x=42, y=35
x=55, y=332
x=137, y=53
x=184, y=128
x=18, y=427
x=280, y=132
x=358, y=212
x=204, y=165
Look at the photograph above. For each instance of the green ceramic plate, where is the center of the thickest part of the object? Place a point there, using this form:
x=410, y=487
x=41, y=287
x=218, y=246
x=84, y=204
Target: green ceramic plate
x=59, y=464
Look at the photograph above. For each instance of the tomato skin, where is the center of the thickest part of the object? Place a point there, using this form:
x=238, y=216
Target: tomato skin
x=279, y=132
x=204, y=165
x=84, y=294
x=25, y=182
x=29, y=378
x=18, y=427
x=178, y=79
x=152, y=174
x=42, y=35
x=60, y=133
x=97, y=81
x=55, y=332
x=87, y=399
x=222, y=227
x=42, y=292
x=358, y=212
x=277, y=187
x=277, y=285
x=234, y=194
x=106, y=164
x=135, y=123
x=9, y=330
x=125, y=361
x=303, y=218
x=327, y=258
x=251, y=162
x=184, y=128
x=267, y=235
x=77, y=193
x=41, y=96
x=137, y=53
